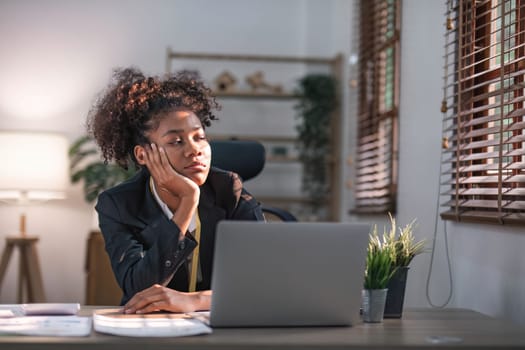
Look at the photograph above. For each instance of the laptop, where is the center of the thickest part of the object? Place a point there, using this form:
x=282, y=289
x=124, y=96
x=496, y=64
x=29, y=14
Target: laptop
x=273, y=274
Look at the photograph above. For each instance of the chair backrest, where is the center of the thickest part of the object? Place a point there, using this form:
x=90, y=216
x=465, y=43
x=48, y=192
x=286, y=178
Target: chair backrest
x=247, y=159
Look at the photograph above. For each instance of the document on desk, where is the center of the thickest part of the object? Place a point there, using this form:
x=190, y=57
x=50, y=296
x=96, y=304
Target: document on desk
x=39, y=309
x=50, y=309
x=58, y=326
x=113, y=321
x=45, y=319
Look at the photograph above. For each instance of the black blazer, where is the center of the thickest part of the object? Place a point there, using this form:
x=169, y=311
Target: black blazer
x=142, y=243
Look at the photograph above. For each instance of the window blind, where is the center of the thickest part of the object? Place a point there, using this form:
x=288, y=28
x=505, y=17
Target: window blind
x=483, y=164
x=378, y=96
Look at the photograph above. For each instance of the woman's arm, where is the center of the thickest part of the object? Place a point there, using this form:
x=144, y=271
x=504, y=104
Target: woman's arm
x=136, y=266
x=159, y=298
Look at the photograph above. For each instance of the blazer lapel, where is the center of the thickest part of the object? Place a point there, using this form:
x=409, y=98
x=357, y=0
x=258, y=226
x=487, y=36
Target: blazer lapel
x=149, y=212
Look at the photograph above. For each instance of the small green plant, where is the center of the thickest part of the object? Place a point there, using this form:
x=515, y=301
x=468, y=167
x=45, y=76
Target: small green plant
x=404, y=246
x=97, y=175
x=379, y=263
x=389, y=252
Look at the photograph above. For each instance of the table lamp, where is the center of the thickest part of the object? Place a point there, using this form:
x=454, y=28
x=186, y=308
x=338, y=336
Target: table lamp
x=35, y=168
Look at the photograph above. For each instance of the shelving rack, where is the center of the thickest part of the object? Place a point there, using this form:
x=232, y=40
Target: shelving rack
x=334, y=163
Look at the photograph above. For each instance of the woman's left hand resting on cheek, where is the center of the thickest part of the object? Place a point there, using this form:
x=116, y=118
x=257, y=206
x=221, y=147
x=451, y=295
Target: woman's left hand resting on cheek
x=159, y=298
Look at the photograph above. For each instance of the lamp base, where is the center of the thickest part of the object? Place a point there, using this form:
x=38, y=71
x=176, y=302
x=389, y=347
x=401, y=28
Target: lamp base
x=29, y=275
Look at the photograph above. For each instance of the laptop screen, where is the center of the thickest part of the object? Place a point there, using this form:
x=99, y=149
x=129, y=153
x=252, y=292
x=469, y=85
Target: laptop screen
x=288, y=273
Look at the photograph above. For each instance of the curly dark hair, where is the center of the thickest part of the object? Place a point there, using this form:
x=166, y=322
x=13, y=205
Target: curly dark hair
x=134, y=104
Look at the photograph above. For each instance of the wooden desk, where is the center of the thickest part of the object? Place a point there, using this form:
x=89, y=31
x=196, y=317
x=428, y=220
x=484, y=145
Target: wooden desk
x=475, y=330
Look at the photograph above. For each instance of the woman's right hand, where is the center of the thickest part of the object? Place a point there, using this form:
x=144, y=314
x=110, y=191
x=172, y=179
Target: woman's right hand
x=180, y=193
x=159, y=298
x=166, y=177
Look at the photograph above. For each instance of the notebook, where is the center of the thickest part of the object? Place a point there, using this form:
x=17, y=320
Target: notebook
x=288, y=274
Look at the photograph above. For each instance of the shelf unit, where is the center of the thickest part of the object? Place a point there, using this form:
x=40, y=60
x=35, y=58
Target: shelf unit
x=335, y=66
x=256, y=95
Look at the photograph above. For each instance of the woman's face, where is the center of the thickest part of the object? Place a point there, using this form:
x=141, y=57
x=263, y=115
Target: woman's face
x=181, y=134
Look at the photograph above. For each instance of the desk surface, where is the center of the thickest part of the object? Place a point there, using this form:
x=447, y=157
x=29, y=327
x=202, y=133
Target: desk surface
x=464, y=328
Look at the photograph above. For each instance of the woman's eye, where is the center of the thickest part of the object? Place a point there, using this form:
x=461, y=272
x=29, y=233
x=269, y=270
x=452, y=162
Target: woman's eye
x=175, y=142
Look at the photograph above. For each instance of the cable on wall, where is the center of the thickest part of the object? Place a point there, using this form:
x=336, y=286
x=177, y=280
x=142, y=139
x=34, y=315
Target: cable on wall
x=445, y=234
x=444, y=145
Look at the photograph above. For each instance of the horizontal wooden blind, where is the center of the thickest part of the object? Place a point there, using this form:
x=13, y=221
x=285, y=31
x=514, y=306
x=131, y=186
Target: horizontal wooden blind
x=376, y=163
x=483, y=168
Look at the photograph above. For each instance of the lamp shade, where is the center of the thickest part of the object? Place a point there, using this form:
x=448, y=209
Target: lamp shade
x=35, y=165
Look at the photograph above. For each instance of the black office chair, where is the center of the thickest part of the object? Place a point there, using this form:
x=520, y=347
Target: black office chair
x=247, y=159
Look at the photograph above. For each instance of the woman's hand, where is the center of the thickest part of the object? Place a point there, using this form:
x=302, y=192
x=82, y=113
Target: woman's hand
x=159, y=298
x=168, y=180
x=180, y=193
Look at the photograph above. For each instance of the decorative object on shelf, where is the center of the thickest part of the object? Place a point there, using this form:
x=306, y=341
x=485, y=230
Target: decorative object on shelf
x=316, y=104
x=404, y=248
x=379, y=270
x=97, y=175
x=34, y=169
x=279, y=151
x=225, y=82
x=257, y=83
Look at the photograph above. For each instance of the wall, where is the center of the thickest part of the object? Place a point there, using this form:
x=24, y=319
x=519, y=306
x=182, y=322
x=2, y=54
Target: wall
x=58, y=54
x=488, y=267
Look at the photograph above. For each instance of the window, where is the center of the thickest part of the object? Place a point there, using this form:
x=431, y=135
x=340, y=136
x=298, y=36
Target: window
x=483, y=168
x=378, y=96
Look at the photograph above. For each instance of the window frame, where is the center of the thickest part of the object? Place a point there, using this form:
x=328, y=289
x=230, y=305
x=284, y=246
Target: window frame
x=375, y=185
x=483, y=167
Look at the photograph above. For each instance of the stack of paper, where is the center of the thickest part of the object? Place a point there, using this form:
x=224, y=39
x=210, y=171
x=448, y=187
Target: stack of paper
x=113, y=321
x=61, y=320
x=46, y=319
x=50, y=309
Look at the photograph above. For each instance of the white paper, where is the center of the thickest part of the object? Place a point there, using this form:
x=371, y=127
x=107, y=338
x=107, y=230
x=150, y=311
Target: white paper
x=11, y=310
x=7, y=313
x=153, y=325
x=203, y=316
x=50, y=308
x=60, y=326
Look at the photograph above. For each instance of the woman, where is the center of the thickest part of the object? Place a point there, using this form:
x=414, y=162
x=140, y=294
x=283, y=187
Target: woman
x=151, y=222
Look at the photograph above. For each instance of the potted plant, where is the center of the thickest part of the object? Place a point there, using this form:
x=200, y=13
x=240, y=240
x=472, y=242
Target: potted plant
x=403, y=248
x=97, y=175
x=379, y=270
x=317, y=100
